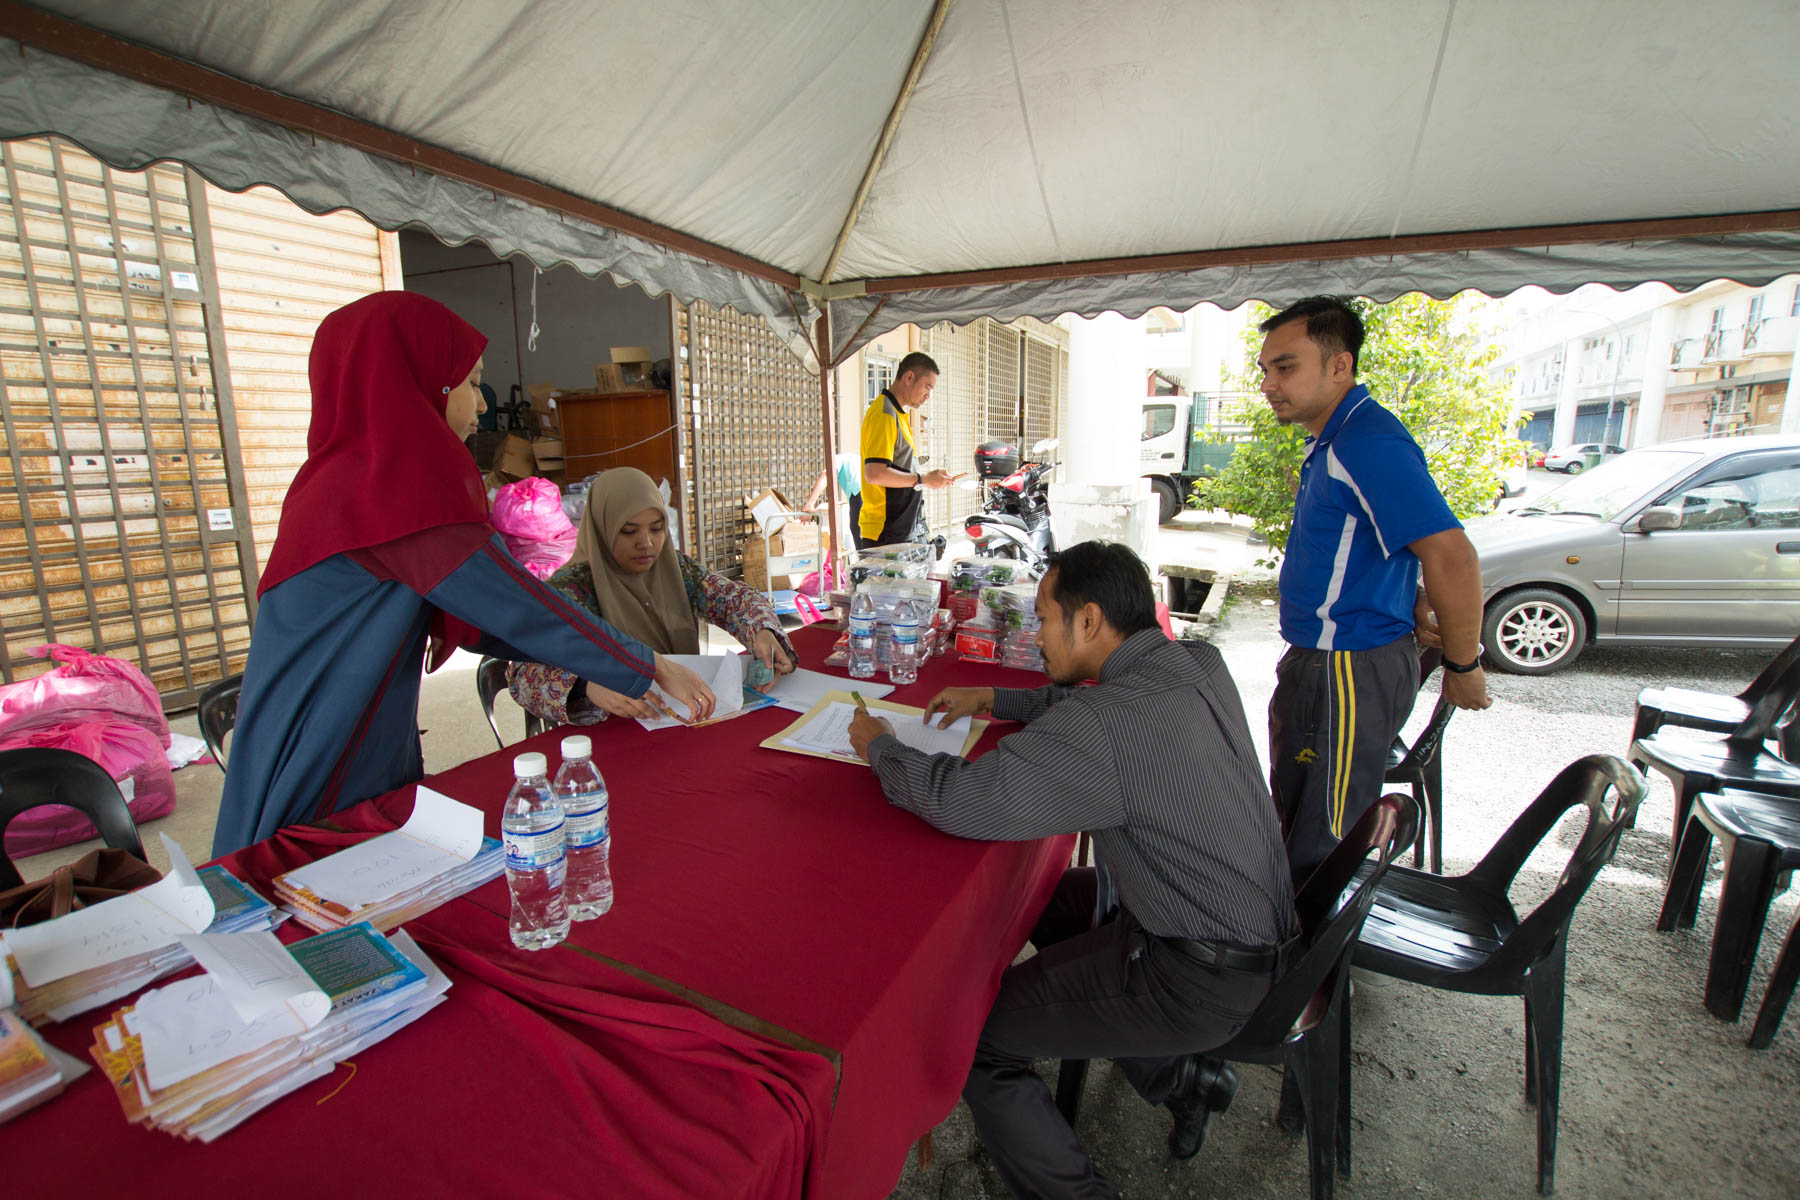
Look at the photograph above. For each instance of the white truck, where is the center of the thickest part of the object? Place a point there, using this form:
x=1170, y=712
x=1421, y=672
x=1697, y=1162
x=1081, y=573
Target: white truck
x=1175, y=450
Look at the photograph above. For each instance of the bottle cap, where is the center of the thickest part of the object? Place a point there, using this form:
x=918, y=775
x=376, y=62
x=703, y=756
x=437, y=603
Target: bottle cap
x=527, y=765
x=577, y=746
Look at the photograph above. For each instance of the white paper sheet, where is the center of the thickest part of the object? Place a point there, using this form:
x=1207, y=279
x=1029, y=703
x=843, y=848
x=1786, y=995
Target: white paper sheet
x=440, y=835
x=190, y=1026
x=799, y=691
x=723, y=673
x=256, y=974
x=147, y=919
x=183, y=750
x=6, y=983
x=829, y=732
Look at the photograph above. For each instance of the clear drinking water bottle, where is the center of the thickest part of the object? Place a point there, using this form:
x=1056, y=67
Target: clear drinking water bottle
x=862, y=636
x=531, y=826
x=903, y=658
x=586, y=830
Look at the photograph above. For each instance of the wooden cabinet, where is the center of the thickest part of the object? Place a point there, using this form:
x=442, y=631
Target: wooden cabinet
x=601, y=431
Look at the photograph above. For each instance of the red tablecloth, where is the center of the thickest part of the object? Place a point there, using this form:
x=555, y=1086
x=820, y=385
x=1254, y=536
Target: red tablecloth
x=801, y=932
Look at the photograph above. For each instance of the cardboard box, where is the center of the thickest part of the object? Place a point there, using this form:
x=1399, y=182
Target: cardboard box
x=629, y=370
x=762, y=506
x=513, y=461
x=543, y=405
x=796, y=540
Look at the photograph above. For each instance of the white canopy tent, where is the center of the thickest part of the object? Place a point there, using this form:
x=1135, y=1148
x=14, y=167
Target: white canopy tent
x=876, y=163
x=1044, y=157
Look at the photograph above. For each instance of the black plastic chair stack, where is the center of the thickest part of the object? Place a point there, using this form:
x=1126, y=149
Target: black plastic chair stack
x=218, y=713
x=1461, y=934
x=1759, y=838
x=1421, y=768
x=1739, y=761
x=35, y=775
x=1295, y=1026
x=1708, y=711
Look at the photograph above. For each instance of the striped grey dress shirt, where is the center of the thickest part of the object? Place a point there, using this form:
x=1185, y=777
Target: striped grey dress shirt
x=1155, y=762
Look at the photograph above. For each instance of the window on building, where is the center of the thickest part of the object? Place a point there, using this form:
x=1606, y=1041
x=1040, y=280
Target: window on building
x=1794, y=308
x=1756, y=307
x=1631, y=345
x=1718, y=318
x=878, y=372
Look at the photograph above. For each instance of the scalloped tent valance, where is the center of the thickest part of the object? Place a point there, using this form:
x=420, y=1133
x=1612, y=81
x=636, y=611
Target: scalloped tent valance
x=921, y=161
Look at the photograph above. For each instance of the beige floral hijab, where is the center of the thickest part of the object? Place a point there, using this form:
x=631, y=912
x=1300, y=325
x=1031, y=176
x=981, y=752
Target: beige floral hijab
x=652, y=607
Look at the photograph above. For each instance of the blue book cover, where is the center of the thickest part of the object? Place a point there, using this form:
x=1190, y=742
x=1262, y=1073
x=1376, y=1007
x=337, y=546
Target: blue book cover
x=232, y=898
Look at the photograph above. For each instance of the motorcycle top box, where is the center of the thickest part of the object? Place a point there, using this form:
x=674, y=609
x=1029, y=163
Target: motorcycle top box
x=996, y=460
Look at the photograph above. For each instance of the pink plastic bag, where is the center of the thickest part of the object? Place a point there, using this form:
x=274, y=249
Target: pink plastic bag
x=529, y=515
x=126, y=751
x=82, y=687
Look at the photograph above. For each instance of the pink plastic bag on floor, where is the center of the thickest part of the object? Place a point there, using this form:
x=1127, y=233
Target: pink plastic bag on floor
x=82, y=687
x=128, y=752
x=529, y=515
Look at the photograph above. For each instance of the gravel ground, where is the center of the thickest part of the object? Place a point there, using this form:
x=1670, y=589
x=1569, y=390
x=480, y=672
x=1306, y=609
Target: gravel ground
x=1658, y=1097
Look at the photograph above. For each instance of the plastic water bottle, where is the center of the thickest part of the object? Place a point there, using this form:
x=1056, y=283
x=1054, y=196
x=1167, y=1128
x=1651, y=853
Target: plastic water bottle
x=862, y=636
x=531, y=826
x=586, y=830
x=903, y=659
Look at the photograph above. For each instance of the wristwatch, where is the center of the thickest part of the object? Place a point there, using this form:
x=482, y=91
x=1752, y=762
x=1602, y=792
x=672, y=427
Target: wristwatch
x=1465, y=668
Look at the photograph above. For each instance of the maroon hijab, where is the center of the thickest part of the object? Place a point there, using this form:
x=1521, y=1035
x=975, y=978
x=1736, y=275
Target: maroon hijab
x=381, y=463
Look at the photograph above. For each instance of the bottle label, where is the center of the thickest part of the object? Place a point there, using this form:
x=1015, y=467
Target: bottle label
x=862, y=626
x=532, y=851
x=906, y=635
x=584, y=820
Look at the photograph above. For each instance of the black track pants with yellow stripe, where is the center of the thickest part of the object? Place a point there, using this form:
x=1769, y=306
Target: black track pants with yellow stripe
x=1331, y=720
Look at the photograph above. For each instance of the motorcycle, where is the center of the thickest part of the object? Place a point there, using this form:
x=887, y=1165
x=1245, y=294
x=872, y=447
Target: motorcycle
x=1014, y=521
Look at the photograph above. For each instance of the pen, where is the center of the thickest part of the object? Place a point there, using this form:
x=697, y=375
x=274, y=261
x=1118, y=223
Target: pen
x=860, y=702
x=664, y=709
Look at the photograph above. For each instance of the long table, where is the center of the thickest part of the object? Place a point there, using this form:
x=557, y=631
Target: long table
x=785, y=996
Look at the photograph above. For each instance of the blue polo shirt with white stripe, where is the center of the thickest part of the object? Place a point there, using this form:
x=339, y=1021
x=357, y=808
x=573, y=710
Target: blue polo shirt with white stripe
x=1348, y=581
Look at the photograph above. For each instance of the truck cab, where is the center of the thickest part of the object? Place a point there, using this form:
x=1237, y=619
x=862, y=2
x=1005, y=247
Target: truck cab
x=1174, y=451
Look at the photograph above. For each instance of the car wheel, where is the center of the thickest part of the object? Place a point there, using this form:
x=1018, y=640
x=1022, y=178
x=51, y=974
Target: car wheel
x=1168, y=500
x=1574, y=468
x=1533, y=632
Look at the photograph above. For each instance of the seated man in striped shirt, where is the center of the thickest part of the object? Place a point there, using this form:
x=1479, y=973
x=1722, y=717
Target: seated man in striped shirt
x=1192, y=885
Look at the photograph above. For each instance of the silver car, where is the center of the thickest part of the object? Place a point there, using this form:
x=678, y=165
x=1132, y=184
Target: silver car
x=1693, y=543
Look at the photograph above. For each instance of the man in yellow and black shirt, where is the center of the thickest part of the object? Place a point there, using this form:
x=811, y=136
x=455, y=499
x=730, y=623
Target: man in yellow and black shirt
x=891, y=507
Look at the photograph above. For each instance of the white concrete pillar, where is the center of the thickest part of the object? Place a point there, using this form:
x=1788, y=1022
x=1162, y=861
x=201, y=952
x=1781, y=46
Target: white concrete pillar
x=1106, y=395
x=1562, y=428
x=1100, y=494
x=1790, y=408
x=1656, y=378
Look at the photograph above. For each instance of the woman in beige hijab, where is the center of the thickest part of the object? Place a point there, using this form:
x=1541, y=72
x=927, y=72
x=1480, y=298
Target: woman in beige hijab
x=625, y=571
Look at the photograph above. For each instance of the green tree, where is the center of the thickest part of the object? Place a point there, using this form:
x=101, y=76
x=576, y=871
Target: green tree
x=1425, y=360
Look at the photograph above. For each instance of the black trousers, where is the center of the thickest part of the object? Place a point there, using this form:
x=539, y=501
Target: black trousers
x=1331, y=720
x=1107, y=992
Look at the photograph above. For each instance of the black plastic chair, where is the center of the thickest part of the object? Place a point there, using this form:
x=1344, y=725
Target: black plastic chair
x=34, y=775
x=1421, y=767
x=490, y=681
x=1295, y=1026
x=1739, y=761
x=1759, y=838
x=1710, y=711
x=218, y=713
x=1462, y=935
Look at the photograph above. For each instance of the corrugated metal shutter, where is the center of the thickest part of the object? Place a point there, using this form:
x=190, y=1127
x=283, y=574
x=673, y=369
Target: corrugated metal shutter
x=957, y=421
x=280, y=271
x=1045, y=363
x=1001, y=363
x=122, y=526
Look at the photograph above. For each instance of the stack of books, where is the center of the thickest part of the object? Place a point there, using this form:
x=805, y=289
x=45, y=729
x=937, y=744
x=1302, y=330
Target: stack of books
x=96, y=955
x=438, y=855
x=30, y=1071
x=197, y=1057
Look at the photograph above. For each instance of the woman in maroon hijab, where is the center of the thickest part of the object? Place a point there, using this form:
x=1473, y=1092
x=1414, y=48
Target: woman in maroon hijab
x=384, y=544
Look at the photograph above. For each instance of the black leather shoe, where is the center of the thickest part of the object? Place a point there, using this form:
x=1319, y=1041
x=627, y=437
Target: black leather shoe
x=1290, y=1117
x=1203, y=1086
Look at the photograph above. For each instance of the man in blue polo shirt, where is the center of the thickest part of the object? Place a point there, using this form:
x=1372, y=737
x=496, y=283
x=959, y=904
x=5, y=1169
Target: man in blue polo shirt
x=1368, y=522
